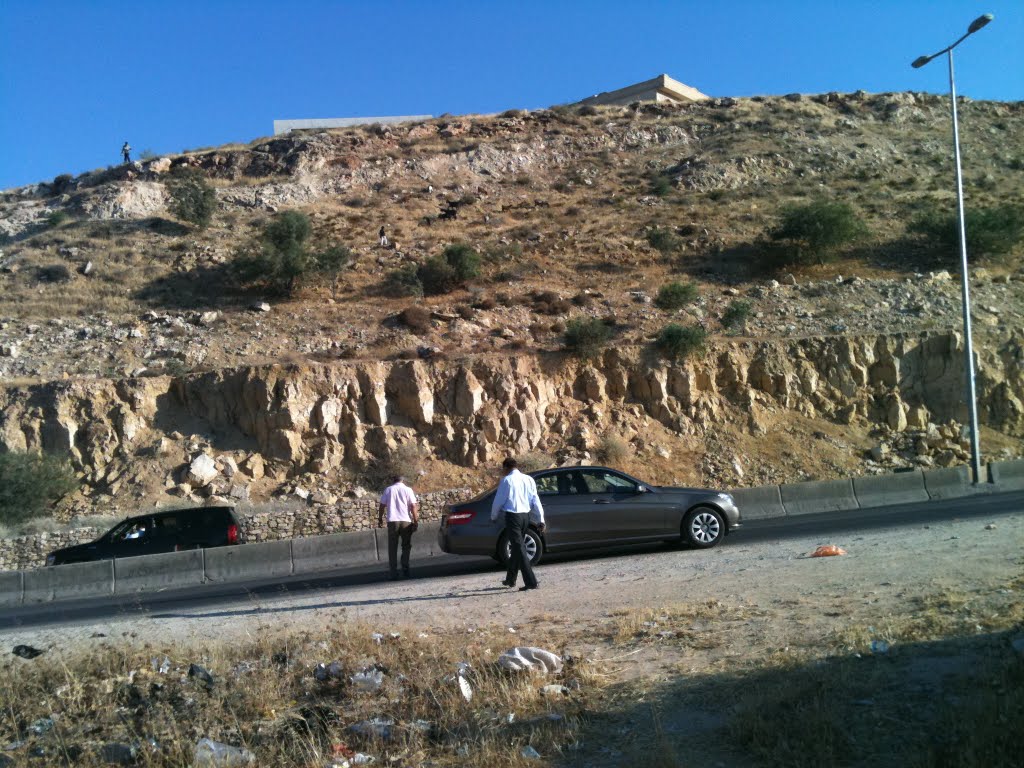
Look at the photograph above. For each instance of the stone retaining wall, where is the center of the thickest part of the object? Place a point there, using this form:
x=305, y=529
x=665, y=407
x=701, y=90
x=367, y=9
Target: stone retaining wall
x=30, y=551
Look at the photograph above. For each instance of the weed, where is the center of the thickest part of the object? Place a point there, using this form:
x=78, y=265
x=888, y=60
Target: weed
x=663, y=240
x=403, y=281
x=736, y=313
x=612, y=449
x=416, y=318
x=30, y=484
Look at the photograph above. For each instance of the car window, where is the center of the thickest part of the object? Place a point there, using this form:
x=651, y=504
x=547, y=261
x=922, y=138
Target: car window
x=547, y=485
x=606, y=482
x=166, y=524
x=136, y=529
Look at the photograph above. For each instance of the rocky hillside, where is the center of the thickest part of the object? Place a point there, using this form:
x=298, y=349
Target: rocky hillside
x=126, y=338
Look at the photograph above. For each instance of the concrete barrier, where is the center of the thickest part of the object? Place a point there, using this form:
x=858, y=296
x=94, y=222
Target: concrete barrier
x=818, y=496
x=12, y=588
x=151, y=573
x=338, y=550
x=949, y=482
x=1007, y=475
x=249, y=561
x=759, y=503
x=65, y=582
x=889, y=490
x=424, y=541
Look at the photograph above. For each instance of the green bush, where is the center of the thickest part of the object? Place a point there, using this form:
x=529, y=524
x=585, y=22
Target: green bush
x=585, y=337
x=30, y=484
x=287, y=231
x=678, y=342
x=990, y=231
x=192, y=199
x=661, y=185
x=663, y=240
x=675, y=295
x=736, y=313
x=816, y=231
x=442, y=274
x=56, y=218
x=61, y=183
x=402, y=282
x=463, y=259
x=437, y=276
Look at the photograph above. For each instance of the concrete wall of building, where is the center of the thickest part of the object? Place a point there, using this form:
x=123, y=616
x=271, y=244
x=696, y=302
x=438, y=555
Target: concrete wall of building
x=283, y=126
x=661, y=88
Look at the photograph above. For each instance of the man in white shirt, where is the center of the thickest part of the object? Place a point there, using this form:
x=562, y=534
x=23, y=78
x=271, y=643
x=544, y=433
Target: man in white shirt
x=399, y=503
x=517, y=499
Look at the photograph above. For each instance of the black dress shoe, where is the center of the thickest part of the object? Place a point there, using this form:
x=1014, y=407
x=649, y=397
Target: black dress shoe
x=507, y=583
x=523, y=589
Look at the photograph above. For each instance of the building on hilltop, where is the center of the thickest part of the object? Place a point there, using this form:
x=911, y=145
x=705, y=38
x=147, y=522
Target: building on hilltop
x=662, y=88
x=283, y=126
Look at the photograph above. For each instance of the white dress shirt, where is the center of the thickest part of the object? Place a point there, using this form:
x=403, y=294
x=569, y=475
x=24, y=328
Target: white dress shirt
x=517, y=493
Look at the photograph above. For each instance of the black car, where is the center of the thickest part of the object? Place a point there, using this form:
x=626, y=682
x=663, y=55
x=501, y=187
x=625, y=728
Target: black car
x=588, y=507
x=166, y=530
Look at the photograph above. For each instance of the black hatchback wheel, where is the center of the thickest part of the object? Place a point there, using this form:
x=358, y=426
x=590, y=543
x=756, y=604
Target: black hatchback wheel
x=534, y=548
x=703, y=527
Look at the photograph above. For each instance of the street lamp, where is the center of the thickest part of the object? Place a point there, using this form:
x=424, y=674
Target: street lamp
x=972, y=404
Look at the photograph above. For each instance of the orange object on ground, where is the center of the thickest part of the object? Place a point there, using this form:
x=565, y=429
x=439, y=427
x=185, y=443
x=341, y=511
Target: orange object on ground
x=828, y=550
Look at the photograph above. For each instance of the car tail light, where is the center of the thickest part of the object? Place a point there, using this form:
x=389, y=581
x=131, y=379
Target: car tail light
x=177, y=547
x=461, y=516
x=232, y=534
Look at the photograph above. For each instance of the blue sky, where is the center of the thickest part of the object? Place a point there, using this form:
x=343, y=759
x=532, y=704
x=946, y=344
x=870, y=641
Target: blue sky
x=78, y=77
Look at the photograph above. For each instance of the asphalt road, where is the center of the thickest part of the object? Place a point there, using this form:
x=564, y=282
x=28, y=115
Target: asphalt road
x=156, y=604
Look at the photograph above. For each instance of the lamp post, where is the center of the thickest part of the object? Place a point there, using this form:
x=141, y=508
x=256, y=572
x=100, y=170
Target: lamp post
x=972, y=403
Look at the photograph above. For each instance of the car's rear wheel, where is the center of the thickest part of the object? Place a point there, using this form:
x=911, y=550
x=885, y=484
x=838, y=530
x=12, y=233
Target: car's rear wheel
x=703, y=527
x=534, y=548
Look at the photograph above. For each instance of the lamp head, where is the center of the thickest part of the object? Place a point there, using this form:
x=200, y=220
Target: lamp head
x=979, y=22
x=920, y=61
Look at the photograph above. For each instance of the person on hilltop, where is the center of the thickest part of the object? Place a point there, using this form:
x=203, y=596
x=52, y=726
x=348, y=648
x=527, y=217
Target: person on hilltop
x=126, y=152
x=399, y=503
x=517, y=499
x=383, y=238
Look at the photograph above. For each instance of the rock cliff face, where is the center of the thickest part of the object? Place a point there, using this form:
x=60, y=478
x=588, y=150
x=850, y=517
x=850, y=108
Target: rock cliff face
x=293, y=420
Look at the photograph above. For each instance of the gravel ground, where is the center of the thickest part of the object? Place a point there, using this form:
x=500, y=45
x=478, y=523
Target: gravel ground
x=796, y=596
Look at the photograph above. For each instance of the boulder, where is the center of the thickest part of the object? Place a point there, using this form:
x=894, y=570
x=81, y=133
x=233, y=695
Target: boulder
x=201, y=471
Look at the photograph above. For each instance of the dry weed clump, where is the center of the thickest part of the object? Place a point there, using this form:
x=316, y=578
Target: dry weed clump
x=269, y=697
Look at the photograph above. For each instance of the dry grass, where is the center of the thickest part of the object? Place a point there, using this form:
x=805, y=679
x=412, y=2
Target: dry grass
x=265, y=698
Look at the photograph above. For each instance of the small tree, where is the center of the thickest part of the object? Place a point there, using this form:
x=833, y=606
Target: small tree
x=585, y=337
x=192, y=198
x=31, y=484
x=678, y=342
x=675, y=295
x=282, y=260
x=663, y=240
x=437, y=276
x=463, y=259
x=816, y=231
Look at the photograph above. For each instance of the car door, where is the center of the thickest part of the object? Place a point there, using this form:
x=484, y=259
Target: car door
x=621, y=509
x=566, y=519
x=166, y=533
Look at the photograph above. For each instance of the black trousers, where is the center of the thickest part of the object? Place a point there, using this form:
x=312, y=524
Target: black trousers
x=399, y=532
x=515, y=528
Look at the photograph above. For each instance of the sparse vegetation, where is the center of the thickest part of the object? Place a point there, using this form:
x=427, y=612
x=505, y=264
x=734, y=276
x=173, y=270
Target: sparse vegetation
x=30, y=484
x=678, y=342
x=416, y=318
x=675, y=295
x=586, y=337
x=56, y=218
x=192, y=198
x=814, y=233
x=736, y=313
x=406, y=460
x=663, y=240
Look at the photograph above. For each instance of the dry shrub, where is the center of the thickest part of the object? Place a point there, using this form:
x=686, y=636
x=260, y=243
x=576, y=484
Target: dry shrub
x=534, y=461
x=613, y=449
x=416, y=318
x=406, y=461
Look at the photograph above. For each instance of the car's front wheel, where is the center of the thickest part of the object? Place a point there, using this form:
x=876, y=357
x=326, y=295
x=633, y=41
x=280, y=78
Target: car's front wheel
x=703, y=527
x=534, y=547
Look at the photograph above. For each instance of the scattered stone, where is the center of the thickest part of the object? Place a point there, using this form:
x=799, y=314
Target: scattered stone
x=87, y=269
x=990, y=527
x=202, y=471
x=554, y=690
x=115, y=753
x=374, y=728
x=260, y=306
x=26, y=651
x=368, y=681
